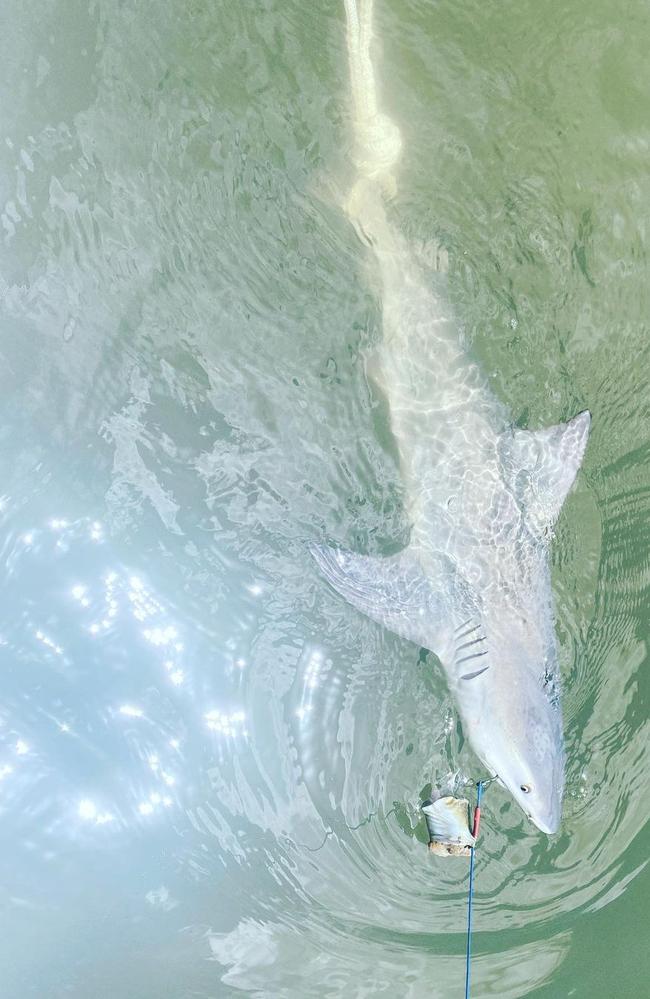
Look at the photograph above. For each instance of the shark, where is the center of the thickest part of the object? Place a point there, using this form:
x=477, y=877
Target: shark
x=473, y=585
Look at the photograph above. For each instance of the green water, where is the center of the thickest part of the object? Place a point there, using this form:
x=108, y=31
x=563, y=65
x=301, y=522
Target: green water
x=210, y=766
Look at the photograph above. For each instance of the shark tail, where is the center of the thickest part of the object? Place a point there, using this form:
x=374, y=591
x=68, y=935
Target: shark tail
x=378, y=141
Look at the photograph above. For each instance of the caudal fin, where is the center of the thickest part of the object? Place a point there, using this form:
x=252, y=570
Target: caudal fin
x=377, y=138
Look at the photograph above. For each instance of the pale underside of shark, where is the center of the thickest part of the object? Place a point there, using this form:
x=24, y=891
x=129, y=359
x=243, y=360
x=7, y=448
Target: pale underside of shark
x=473, y=585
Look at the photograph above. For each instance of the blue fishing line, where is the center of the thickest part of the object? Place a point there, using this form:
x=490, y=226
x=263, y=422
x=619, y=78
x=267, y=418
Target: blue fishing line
x=477, y=815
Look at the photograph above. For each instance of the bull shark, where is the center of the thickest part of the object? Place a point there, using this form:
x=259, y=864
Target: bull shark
x=473, y=585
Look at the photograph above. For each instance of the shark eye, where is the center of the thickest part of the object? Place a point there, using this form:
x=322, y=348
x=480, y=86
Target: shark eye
x=526, y=788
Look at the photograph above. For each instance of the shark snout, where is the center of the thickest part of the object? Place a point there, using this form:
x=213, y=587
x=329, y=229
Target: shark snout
x=537, y=791
x=545, y=815
x=547, y=824
x=542, y=805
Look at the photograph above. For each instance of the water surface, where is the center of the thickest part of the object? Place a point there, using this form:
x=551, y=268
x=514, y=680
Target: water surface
x=210, y=766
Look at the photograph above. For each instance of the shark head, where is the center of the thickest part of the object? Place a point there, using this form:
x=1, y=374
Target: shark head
x=531, y=764
x=516, y=730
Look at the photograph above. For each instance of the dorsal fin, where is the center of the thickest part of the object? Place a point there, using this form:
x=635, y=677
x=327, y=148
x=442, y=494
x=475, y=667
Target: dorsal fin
x=542, y=465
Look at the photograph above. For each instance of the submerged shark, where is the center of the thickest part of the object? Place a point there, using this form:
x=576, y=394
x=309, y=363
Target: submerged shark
x=473, y=585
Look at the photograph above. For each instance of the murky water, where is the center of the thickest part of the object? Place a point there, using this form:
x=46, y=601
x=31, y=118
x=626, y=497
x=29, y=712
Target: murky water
x=210, y=766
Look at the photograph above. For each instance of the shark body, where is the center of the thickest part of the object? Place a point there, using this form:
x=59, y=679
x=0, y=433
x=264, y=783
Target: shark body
x=473, y=585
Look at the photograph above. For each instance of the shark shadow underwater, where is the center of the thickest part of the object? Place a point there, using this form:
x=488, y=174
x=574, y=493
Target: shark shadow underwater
x=473, y=585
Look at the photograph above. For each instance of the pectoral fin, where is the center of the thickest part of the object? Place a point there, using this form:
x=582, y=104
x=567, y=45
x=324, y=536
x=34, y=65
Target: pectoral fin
x=396, y=593
x=542, y=466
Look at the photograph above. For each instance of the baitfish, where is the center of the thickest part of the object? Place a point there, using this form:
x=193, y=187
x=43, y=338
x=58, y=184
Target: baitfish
x=473, y=584
x=447, y=819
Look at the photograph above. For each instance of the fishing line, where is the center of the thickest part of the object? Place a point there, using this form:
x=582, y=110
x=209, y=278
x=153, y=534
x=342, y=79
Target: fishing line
x=477, y=822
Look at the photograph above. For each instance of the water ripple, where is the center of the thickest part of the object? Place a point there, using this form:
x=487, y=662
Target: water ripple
x=200, y=744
